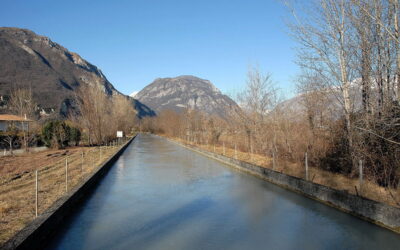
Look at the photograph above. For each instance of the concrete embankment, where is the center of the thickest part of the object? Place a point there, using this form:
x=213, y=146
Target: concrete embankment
x=34, y=235
x=379, y=213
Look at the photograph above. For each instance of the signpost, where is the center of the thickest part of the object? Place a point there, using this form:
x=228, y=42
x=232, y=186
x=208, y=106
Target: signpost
x=120, y=134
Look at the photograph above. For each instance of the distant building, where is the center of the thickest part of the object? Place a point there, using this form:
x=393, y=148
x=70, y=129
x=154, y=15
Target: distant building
x=7, y=120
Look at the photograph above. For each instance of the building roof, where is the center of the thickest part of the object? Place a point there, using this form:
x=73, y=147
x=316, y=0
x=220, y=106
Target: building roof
x=13, y=118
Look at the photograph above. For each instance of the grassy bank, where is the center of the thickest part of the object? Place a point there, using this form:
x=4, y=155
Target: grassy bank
x=18, y=185
x=337, y=181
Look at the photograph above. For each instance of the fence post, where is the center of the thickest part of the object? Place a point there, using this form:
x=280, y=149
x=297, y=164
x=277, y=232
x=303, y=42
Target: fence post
x=235, y=152
x=306, y=164
x=100, y=154
x=224, y=148
x=251, y=151
x=273, y=160
x=66, y=174
x=214, y=147
x=360, y=176
x=36, y=194
x=82, y=161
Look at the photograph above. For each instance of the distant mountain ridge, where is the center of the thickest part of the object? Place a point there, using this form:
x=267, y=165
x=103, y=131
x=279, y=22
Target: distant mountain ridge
x=186, y=91
x=52, y=72
x=331, y=100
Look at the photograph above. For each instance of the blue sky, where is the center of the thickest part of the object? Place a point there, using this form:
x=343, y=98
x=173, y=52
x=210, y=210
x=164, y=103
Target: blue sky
x=134, y=42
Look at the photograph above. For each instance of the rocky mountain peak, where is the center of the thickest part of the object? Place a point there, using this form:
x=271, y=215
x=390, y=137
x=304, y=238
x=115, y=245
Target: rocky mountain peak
x=178, y=93
x=53, y=73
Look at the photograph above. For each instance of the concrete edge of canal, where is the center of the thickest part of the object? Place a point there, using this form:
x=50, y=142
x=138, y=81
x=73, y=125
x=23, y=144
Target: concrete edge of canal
x=378, y=213
x=34, y=235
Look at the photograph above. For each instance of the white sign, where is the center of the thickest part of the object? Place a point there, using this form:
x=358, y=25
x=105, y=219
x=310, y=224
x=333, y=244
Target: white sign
x=120, y=134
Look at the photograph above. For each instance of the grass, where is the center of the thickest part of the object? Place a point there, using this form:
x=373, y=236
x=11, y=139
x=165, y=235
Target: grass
x=17, y=182
x=337, y=181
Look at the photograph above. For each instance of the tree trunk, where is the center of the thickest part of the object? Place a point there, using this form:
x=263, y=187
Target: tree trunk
x=11, y=148
x=344, y=79
x=380, y=72
x=397, y=42
x=365, y=71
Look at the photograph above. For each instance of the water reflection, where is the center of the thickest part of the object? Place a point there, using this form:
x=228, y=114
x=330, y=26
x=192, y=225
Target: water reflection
x=120, y=167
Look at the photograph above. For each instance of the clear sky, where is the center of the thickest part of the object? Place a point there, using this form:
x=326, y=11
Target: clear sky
x=134, y=42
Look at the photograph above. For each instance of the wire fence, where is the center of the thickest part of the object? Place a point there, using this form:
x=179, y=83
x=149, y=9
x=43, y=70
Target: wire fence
x=29, y=194
x=358, y=185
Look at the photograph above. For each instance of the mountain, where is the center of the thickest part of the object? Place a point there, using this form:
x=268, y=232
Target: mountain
x=330, y=100
x=52, y=72
x=133, y=93
x=186, y=92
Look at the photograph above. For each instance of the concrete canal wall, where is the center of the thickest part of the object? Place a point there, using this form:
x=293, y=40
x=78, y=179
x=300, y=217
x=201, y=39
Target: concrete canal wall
x=34, y=235
x=379, y=213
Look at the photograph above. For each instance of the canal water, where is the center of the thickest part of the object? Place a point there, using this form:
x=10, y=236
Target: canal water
x=159, y=195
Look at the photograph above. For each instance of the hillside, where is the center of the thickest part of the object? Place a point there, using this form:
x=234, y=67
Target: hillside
x=52, y=72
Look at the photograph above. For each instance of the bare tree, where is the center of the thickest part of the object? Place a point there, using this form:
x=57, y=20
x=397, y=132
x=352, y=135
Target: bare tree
x=95, y=108
x=22, y=104
x=326, y=48
x=11, y=136
x=347, y=45
x=363, y=48
x=384, y=15
x=258, y=99
x=123, y=113
x=314, y=99
x=396, y=10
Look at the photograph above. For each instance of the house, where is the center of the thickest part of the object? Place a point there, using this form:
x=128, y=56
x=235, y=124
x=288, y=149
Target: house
x=20, y=122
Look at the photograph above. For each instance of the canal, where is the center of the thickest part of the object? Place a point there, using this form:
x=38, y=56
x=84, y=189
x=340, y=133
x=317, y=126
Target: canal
x=159, y=195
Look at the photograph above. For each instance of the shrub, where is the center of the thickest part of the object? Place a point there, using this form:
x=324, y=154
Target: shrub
x=75, y=135
x=58, y=134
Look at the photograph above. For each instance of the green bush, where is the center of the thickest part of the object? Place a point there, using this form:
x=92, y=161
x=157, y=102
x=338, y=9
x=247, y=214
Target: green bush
x=58, y=134
x=75, y=135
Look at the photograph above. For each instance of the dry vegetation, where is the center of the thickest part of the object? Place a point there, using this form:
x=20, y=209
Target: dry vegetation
x=17, y=182
x=347, y=110
x=96, y=122
x=101, y=115
x=279, y=137
x=288, y=148
x=334, y=180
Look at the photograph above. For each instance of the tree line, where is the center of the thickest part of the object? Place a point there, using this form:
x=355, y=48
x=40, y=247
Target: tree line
x=350, y=49
x=95, y=121
x=347, y=108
